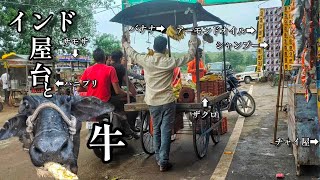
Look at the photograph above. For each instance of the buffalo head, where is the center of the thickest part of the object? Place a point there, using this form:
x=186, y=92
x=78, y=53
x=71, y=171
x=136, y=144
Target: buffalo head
x=42, y=126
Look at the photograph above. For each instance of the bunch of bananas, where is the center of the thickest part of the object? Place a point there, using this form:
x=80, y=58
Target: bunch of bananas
x=173, y=33
x=193, y=85
x=59, y=172
x=150, y=52
x=176, y=90
x=212, y=77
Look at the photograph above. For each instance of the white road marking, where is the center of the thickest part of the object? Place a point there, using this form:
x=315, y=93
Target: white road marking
x=221, y=171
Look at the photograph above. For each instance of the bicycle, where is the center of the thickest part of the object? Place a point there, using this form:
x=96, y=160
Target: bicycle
x=274, y=78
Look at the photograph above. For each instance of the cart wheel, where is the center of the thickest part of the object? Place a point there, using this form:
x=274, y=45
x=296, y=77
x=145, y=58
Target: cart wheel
x=216, y=131
x=146, y=133
x=201, y=136
x=215, y=134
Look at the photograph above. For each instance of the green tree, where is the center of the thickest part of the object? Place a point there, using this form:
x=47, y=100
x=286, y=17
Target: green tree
x=107, y=42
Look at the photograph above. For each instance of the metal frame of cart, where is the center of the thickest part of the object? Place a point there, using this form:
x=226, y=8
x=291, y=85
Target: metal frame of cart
x=202, y=128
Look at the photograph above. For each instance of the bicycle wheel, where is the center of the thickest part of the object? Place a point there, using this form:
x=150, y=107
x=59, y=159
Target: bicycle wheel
x=270, y=79
x=201, y=131
x=146, y=133
x=276, y=80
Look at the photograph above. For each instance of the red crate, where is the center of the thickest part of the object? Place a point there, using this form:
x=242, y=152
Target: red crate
x=213, y=87
x=224, y=125
x=203, y=86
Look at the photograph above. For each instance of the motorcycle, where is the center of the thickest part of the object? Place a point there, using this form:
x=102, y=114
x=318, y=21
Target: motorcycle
x=109, y=118
x=240, y=101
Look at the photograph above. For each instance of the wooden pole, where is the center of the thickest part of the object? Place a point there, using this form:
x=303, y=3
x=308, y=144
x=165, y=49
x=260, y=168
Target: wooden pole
x=197, y=61
x=318, y=67
x=169, y=46
x=278, y=99
x=125, y=33
x=282, y=88
x=224, y=60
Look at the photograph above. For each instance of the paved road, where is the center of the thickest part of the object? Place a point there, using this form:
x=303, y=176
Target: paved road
x=254, y=157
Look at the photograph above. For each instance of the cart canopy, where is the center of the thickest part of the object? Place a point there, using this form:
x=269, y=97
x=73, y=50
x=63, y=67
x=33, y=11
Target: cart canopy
x=164, y=13
x=13, y=60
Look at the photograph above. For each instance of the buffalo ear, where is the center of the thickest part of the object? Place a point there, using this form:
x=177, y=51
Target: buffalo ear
x=15, y=126
x=86, y=108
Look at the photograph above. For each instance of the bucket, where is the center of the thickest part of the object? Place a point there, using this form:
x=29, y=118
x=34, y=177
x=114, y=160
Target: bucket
x=14, y=84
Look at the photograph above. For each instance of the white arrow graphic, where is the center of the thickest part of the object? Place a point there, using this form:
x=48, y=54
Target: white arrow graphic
x=251, y=30
x=160, y=28
x=59, y=83
x=261, y=45
x=75, y=53
x=205, y=102
x=314, y=141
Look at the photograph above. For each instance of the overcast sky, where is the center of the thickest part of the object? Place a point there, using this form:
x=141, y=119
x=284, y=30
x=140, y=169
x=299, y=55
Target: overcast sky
x=241, y=15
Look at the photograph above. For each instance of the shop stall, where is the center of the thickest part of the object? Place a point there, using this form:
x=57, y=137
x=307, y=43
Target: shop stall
x=19, y=66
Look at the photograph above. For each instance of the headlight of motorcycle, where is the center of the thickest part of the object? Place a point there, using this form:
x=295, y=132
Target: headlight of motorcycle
x=228, y=86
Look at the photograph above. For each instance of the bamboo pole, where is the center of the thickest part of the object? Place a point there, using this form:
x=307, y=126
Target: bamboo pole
x=278, y=99
x=282, y=89
x=318, y=69
x=197, y=61
x=125, y=55
x=169, y=46
x=224, y=60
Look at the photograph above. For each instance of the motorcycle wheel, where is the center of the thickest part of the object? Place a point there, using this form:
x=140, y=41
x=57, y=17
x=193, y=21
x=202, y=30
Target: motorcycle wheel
x=97, y=151
x=250, y=104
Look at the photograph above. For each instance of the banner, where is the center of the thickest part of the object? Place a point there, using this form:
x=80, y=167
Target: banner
x=260, y=40
x=129, y=3
x=272, y=35
x=288, y=44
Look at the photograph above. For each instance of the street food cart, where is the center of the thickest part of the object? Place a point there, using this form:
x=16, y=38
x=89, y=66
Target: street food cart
x=174, y=13
x=303, y=126
x=19, y=66
x=71, y=69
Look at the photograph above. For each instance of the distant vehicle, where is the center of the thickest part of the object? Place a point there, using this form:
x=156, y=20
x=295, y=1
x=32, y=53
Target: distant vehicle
x=249, y=74
x=217, y=67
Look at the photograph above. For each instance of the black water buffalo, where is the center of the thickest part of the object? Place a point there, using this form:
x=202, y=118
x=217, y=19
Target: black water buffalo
x=50, y=127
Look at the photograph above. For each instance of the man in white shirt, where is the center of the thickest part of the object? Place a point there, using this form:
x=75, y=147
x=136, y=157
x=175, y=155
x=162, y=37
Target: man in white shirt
x=158, y=74
x=4, y=80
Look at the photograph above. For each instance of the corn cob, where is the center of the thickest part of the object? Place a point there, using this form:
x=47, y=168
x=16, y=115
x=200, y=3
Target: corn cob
x=59, y=172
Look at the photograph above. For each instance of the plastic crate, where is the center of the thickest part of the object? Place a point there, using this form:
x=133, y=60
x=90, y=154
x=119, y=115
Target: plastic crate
x=224, y=125
x=203, y=86
x=213, y=87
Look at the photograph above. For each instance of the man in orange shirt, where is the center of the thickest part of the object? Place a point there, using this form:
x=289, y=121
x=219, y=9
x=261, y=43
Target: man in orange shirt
x=192, y=67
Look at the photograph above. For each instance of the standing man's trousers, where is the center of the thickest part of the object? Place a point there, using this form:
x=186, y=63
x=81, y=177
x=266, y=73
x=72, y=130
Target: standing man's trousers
x=163, y=120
